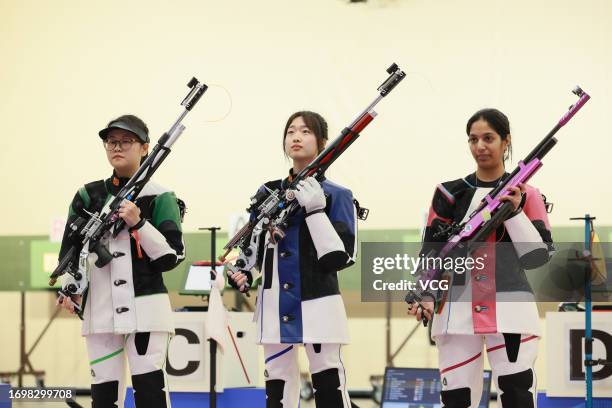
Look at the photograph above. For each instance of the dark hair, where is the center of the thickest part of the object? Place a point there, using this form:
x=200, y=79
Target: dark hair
x=315, y=122
x=497, y=120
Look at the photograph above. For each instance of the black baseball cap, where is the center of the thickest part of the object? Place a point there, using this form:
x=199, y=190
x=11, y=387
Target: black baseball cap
x=130, y=123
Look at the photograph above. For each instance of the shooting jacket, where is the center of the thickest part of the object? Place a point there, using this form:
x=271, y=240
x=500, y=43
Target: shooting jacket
x=128, y=294
x=299, y=299
x=496, y=298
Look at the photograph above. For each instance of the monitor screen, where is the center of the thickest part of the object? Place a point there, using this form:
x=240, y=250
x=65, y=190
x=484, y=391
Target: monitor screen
x=198, y=279
x=420, y=388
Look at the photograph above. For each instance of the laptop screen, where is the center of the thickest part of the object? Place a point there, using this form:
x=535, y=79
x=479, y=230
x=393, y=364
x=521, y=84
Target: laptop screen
x=420, y=388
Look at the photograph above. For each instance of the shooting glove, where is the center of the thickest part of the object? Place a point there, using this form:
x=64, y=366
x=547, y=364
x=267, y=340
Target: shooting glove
x=310, y=195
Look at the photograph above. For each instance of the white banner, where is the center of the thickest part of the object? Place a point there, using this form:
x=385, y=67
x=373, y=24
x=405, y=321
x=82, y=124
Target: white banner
x=565, y=354
x=188, y=363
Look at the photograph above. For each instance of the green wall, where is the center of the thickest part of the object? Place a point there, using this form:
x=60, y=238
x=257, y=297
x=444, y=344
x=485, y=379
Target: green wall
x=24, y=257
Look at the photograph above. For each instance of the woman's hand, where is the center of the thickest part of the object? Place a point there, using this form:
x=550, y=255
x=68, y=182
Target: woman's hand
x=68, y=303
x=515, y=196
x=239, y=279
x=242, y=281
x=129, y=212
x=425, y=307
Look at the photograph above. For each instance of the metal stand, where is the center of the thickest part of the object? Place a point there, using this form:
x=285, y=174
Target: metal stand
x=213, y=343
x=587, y=257
x=25, y=366
x=390, y=355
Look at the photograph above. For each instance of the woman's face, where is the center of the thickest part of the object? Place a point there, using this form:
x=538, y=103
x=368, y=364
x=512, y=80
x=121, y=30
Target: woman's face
x=123, y=150
x=486, y=145
x=300, y=141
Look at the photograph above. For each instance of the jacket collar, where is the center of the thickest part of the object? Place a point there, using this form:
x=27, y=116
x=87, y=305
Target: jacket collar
x=474, y=182
x=115, y=183
x=285, y=182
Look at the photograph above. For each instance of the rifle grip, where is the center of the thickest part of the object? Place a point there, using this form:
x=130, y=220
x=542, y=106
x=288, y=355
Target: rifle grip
x=488, y=227
x=104, y=256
